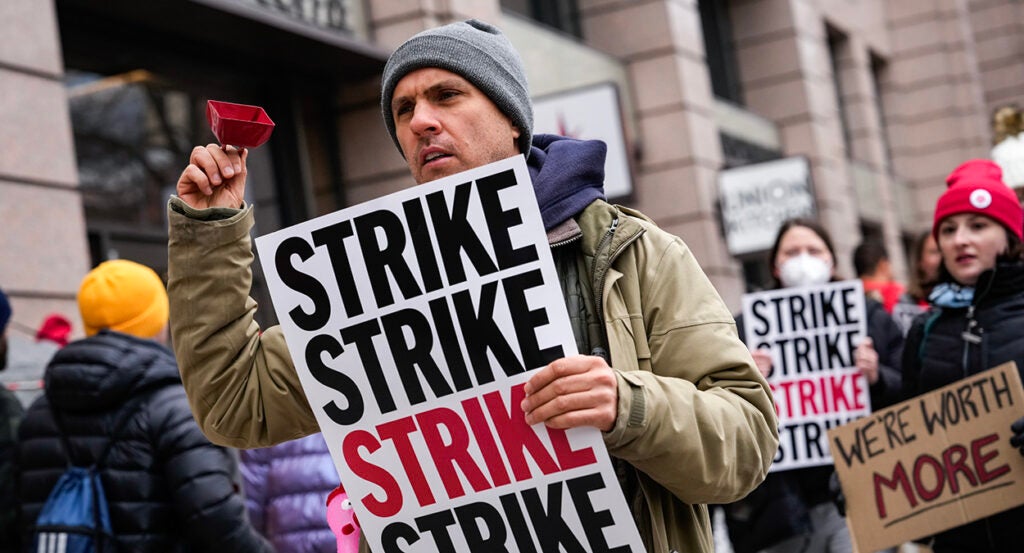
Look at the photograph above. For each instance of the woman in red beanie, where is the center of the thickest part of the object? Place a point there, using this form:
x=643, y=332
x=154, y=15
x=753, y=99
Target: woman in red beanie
x=977, y=316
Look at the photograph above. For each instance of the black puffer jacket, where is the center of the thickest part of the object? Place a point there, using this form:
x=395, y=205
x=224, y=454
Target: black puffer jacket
x=168, y=488
x=936, y=354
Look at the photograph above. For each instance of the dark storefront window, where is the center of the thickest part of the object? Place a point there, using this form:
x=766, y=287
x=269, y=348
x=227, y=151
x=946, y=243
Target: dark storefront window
x=879, y=73
x=837, y=46
x=133, y=134
x=138, y=76
x=563, y=15
x=720, y=50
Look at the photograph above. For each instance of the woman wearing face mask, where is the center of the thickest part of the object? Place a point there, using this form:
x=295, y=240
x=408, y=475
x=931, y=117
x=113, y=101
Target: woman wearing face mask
x=792, y=511
x=976, y=318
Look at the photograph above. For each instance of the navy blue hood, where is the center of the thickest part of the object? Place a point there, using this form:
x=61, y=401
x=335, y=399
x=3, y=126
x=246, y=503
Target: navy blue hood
x=567, y=174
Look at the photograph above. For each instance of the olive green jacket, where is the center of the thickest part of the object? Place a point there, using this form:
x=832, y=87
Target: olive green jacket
x=696, y=423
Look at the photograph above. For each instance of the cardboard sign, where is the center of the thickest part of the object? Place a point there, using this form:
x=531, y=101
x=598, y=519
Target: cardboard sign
x=812, y=333
x=933, y=462
x=414, y=321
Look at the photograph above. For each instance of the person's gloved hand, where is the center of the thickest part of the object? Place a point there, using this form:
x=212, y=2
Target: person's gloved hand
x=835, y=491
x=1017, y=440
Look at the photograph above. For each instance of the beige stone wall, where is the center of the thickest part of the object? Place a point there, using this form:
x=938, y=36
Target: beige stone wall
x=679, y=147
x=935, y=106
x=998, y=29
x=43, y=250
x=947, y=63
x=782, y=49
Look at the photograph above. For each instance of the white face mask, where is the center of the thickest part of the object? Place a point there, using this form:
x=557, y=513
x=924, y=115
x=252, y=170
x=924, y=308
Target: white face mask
x=805, y=270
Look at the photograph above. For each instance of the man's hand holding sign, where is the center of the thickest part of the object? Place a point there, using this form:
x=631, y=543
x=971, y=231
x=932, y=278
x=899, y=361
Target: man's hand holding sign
x=574, y=391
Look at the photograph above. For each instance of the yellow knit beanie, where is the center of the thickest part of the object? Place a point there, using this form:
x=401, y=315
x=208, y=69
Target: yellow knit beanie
x=124, y=296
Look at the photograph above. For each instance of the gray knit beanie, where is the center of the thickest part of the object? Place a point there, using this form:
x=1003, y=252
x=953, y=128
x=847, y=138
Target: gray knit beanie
x=477, y=52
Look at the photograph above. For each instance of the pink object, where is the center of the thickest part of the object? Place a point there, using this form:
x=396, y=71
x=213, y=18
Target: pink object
x=342, y=520
x=238, y=124
x=55, y=328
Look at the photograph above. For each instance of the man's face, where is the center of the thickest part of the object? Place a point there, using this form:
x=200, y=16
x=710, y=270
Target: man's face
x=446, y=125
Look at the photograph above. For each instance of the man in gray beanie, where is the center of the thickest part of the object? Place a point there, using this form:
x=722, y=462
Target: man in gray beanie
x=477, y=52
x=685, y=414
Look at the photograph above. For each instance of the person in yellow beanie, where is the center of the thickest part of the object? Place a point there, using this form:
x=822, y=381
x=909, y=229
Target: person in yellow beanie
x=167, y=487
x=124, y=296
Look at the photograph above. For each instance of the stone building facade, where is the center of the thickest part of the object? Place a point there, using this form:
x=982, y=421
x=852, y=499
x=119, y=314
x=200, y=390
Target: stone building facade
x=881, y=98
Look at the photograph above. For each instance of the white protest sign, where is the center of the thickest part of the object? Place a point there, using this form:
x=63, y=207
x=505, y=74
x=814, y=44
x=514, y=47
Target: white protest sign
x=414, y=320
x=812, y=333
x=756, y=199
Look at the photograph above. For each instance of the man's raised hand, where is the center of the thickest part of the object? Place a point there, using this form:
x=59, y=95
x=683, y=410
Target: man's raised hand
x=215, y=177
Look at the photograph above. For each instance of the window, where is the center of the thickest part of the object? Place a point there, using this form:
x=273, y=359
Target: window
x=837, y=45
x=133, y=134
x=720, y=50
x=563, y=15
x=879, y=73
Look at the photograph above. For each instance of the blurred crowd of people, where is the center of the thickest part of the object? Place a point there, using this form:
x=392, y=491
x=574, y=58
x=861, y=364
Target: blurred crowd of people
x=169, y=488
x=959, y=314
x=966, y=272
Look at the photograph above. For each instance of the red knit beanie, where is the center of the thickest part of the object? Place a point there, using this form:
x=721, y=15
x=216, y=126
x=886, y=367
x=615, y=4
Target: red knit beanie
x=976, y=186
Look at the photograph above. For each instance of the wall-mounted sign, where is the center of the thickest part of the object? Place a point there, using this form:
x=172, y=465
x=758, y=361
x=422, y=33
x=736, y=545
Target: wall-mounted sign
x=589, y=113
x=757, y=198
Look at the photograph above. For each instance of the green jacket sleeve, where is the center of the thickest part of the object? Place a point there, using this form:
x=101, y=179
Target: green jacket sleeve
x=241, y=382
x=695, y=415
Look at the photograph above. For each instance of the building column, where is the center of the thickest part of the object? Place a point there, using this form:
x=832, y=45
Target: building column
x=868, y=150
x=371, y=164
x=783, y=53
x=997, y=26
x=677, y=140
x=43, y=263
x=939, y=118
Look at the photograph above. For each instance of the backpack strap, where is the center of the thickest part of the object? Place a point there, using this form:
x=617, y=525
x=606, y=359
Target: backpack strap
x=928, y=324
x=129, y=409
